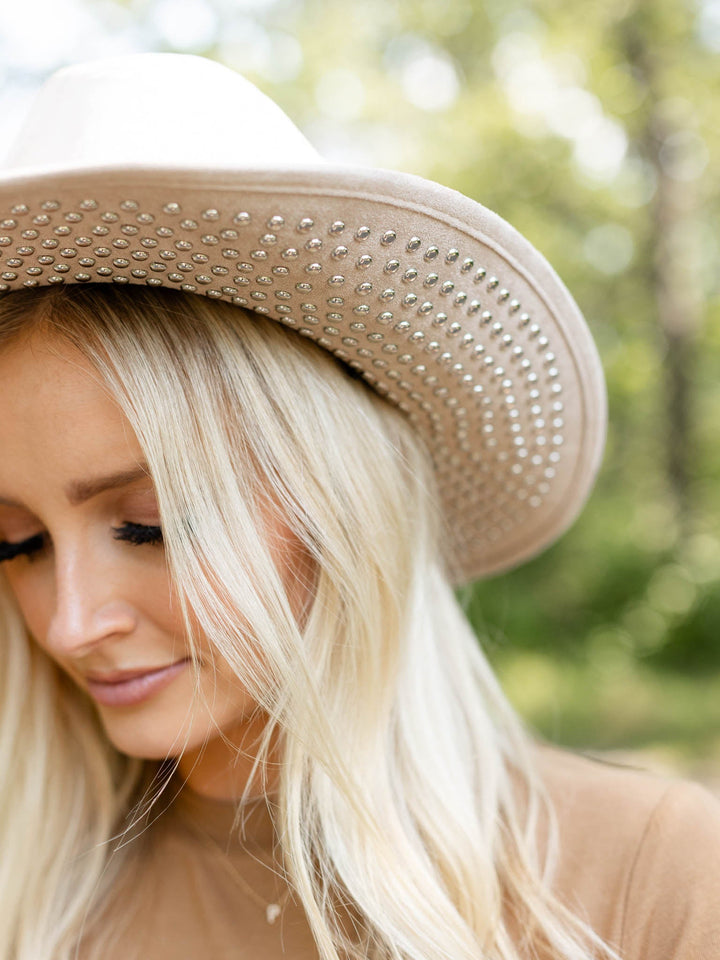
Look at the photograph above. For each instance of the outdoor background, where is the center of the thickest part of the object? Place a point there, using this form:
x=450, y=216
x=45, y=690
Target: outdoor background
x=592, y=128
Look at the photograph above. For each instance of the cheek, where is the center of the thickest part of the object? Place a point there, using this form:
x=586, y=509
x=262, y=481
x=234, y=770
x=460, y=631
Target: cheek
x=34, y=596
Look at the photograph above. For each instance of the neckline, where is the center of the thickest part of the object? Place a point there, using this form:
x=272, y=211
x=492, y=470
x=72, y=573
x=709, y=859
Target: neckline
x=229, y=823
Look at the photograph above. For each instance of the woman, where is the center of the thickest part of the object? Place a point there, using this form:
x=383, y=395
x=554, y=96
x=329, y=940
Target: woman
x=242, y=713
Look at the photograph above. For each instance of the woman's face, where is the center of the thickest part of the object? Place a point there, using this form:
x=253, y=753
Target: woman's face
x=90, y=578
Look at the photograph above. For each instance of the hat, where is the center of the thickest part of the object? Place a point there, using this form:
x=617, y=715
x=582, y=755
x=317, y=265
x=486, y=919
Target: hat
x=172, y=170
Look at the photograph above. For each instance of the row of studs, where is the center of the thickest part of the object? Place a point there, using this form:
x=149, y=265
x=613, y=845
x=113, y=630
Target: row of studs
x=361, y=234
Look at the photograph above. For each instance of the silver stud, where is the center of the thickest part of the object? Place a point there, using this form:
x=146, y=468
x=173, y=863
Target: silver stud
x=480, y=274
x=357, y=325
x=89, y=205
x=129, y=229
x=452, y=255
x=242, y=218
x=425, y=307
x=314, y=244
x=268, y=239
x=26, y=251
x=467, y=265
x=164, y=231
x=385, y=317
x=171, y=208
x=139, y=255
x=339, y=252
x=73, y=217
x=188, y=224
x=145, y=218
x=454, y=329
x=305, y=224
x=410, y=274
x=337, y=227
x=5, y=241
x=336, y=280
x=430, y=280
x=485, y=317
x=265, y=281
x=230, y=254
x=280, y=271
x=63, y=231
x=336, y=301
x=313, y=268
x=410, y=299
x=514, y=306
x=209, y=239
x=431, y=254
x=211, y=214
x=121, y=243
x=289, y=254
x=364, y=261
x=303, y=287
x=439, y=319
x=474, y=307
x=388, y=237
x=19, y=209
x=414, y=243
x=30, y=234
x=362, y=233
x=493, y=282
x=258, y=254
x=392, y=266
x=524, y=319
x=447, y=287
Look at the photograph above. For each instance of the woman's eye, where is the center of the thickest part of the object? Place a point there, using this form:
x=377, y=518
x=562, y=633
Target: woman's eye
x=138, y=533
x=25, y=548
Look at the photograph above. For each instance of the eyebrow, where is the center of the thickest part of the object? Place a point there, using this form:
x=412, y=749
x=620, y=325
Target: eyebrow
x=80, y=491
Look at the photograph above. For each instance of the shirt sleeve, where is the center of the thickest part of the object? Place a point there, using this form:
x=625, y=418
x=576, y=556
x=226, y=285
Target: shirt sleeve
x=672, y=906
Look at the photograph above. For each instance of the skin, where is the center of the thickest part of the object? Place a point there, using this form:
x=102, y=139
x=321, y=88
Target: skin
x=96, y=604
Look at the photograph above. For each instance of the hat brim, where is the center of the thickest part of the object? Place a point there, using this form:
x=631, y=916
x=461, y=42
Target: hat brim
x=442, y=306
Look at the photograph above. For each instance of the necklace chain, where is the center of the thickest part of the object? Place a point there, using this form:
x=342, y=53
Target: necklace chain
x=273, y=908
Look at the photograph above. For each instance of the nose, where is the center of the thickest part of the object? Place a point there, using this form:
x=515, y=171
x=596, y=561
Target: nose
x=89, y=607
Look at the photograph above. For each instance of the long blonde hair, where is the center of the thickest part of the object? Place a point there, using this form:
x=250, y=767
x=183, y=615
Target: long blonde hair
x=406, y=788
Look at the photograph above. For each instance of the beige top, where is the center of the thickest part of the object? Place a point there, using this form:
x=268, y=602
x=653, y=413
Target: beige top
x=639, y=859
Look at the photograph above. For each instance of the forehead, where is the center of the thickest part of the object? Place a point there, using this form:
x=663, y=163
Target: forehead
x=57, y=419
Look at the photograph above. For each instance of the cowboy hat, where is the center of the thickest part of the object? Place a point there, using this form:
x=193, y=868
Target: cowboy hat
x=174, y=171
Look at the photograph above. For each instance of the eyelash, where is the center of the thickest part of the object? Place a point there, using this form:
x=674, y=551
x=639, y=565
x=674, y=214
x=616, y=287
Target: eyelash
x=138, y=534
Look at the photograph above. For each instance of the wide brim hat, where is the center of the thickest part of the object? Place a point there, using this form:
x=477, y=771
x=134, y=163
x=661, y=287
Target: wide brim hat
x=174, y=171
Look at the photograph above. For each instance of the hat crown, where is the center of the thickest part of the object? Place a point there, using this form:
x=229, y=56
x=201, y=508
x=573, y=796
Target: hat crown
x=155, y=110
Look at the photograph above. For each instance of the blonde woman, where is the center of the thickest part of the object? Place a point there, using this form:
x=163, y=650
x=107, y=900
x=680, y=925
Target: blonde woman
x=241, y=713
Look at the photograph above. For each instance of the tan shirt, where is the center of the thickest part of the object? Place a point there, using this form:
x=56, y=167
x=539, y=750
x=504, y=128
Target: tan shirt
x=639, y=860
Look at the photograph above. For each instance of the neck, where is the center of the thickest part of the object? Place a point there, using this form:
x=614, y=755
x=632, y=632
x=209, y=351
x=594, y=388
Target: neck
x=222, y=769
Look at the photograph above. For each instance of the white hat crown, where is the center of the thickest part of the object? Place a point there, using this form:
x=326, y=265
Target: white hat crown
x=156, y=109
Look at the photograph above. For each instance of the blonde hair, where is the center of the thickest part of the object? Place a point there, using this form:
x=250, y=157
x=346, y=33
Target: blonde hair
x=406, y=789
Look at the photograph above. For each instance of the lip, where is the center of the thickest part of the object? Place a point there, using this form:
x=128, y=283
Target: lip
x=124, y=688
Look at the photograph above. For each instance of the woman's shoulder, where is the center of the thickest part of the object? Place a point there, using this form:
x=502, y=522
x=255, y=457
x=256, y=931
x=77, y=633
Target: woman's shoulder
x=639, y=855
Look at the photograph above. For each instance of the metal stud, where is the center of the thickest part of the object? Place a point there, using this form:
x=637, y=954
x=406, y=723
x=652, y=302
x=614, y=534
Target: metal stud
x=362, y=233
x=467, y=265
x=364, y=261
x=305, y=224
x=431, y=254
x=414, y=243
x=388, y=237
x=336, y=227
x=339, y=253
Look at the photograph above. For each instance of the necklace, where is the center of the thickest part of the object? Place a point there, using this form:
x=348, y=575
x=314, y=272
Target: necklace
x=272, y=909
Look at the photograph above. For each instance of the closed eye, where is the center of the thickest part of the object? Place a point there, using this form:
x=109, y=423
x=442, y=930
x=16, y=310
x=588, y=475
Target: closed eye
x=135, y=533
x=138, y=533
x=25, y=548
